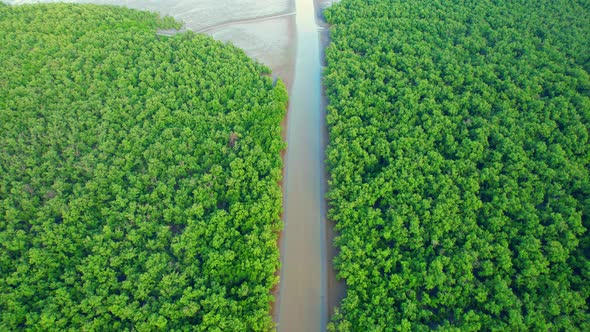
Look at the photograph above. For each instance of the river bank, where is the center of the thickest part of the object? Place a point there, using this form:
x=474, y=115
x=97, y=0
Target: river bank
x=266, y=30
x=336, y=289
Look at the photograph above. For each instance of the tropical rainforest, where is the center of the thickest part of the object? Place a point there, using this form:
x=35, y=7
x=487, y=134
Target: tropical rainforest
x=459, y=164
x=139, y=175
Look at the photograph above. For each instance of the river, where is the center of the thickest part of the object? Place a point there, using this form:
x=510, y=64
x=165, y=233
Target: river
x=302, y=296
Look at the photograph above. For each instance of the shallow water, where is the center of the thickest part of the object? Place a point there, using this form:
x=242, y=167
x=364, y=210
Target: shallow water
x=268, y=41
x=302, y=293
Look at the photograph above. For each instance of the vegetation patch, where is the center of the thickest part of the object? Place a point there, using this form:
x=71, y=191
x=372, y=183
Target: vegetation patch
x=460, y=161
x=138, y=175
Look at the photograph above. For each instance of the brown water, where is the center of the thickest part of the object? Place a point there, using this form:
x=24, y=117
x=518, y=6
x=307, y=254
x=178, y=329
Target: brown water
x=270, y=41
x=302, y=300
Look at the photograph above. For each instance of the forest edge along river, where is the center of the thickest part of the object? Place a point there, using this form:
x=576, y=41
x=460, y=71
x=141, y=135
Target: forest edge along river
x=308, y=290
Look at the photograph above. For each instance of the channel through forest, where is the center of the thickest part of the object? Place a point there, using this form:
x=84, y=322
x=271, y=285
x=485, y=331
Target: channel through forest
x=169, y=181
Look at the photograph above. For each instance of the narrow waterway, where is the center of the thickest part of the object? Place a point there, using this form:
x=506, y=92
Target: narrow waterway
x=302, y=304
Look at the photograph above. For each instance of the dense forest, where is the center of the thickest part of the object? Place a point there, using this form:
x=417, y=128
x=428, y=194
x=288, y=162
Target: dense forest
x=460, y=161
x=139, y=175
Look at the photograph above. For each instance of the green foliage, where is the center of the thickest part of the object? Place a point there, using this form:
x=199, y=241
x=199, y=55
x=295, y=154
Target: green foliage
x=460, y=161
x=138, y=175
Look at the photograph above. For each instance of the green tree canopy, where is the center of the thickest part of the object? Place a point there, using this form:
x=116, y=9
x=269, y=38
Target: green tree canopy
x=138, y=175
x=460, y=160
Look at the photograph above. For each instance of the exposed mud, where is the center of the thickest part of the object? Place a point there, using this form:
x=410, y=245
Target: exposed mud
x=269, y=41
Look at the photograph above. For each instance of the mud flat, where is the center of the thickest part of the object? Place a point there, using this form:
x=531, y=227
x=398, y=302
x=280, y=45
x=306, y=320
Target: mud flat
x=269, y=41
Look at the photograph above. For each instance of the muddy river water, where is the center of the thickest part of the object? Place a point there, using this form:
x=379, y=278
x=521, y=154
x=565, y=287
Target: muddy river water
x=284, y=35
x=302, y=298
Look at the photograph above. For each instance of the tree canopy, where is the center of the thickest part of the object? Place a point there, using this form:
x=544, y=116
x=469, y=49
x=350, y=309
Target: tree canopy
x=459, y=164
x=138, y=175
